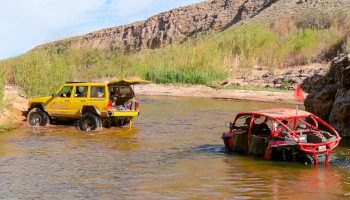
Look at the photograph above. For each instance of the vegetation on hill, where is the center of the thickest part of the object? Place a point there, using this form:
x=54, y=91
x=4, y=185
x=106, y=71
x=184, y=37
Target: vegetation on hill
x=207, y=59
x=2, y=89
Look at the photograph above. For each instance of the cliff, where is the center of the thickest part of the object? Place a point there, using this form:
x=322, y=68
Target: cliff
x=180, y=24
x=329, y=95
x=168, y=27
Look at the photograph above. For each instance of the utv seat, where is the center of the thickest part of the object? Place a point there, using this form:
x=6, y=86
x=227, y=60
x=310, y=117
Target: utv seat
x=261, y=129
x=258, y=144
x=240, y=142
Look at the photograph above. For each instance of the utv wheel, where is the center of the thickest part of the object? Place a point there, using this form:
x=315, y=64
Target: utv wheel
x=309, y=159
x=89, y=122
x=37, y=117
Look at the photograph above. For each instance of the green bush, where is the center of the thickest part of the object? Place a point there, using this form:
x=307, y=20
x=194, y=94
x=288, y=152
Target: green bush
x=189, y=77
x=2, y=90
x=346, y=46
x=40, y=73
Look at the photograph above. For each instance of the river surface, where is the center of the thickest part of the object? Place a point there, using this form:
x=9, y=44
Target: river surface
x=173, y=152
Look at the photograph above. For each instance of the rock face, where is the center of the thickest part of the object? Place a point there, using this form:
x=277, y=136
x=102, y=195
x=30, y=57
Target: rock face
x=286, y=78
x=168, y=27
x=180, y=24
x=329, y=95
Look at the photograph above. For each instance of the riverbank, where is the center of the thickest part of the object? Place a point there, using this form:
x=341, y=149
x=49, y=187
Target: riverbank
x=202, y=91
x=16, y=104
x=13, y=116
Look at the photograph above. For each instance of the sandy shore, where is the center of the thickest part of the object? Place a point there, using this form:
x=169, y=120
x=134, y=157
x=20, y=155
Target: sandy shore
x=207, y=92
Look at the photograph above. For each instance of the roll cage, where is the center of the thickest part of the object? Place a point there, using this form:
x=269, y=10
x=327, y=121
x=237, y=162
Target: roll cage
x=283, y=121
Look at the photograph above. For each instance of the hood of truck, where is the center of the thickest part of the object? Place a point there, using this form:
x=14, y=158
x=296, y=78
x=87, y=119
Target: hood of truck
x=39, y=99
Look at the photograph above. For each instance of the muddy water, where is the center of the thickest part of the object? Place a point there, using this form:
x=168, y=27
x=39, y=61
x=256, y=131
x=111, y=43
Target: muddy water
x=174, y=152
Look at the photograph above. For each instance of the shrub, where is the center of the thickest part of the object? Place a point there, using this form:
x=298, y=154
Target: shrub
x=177, y=76
x=346, y=46
x=2, y=90
x=321, y=20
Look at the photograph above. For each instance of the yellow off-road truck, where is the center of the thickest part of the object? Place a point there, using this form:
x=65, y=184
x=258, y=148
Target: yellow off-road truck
x=95, y=105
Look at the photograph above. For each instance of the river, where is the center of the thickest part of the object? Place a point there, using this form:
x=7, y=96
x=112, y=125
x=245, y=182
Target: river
x=173, y=152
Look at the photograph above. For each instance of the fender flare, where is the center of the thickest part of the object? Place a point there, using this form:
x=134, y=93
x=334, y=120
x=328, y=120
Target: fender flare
x=90, y=108
x=38, y=105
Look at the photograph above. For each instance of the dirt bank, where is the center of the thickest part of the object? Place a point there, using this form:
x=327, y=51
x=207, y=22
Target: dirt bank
x=207, y=92
x=16, y=104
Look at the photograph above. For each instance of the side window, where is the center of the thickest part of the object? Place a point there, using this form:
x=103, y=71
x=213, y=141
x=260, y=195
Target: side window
x=81, y=91
x=97, y=92
x=243, y=121
x=125, y=90
x=121, y=92
x=65, y=92
x=270, y=124
x=259, y=119
x=279, y=126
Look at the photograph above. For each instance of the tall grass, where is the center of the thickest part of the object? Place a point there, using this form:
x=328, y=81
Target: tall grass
x=346, y=45
x=39, y=73
x=2, y=90
x=232, y=53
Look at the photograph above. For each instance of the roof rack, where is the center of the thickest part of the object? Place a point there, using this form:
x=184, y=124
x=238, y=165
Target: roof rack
x=68, y=82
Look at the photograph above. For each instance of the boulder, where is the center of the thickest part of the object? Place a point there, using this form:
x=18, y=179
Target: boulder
x=329, y=95
x=322, y=102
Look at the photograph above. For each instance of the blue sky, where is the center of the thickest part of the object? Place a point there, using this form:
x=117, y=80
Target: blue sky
x=25, y=24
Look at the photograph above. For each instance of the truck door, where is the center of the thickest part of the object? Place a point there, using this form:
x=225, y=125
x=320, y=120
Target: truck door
x=79, y=99
x=60, y=104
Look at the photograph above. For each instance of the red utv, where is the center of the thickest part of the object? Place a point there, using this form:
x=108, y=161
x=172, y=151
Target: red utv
x=282, y=134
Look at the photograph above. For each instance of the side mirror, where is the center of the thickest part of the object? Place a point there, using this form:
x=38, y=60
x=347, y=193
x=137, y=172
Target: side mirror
x=228, y=124
x=54, y=95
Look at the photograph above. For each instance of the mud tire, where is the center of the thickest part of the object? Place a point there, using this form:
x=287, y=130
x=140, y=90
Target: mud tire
x=122, y=121
x=89, y=122
x=107, y=123
x=37, y=117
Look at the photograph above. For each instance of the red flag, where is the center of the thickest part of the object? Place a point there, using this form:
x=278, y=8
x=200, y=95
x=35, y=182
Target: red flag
x=299, y=93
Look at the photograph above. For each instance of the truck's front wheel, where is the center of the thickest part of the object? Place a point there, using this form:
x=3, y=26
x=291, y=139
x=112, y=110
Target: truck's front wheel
x=37, y=117
x=89, y=122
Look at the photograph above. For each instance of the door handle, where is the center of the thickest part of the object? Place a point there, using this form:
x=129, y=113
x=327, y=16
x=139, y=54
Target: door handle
x=83, y=100
x=67, y=101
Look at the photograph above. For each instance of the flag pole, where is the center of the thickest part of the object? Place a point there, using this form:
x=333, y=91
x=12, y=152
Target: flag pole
x=299, y=97
x=297, y=108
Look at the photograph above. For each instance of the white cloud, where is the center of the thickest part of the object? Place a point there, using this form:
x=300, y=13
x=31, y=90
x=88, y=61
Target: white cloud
x=24, y=24
x=27, y=23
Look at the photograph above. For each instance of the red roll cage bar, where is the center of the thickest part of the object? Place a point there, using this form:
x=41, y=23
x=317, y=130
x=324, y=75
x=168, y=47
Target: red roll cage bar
x=294, y=116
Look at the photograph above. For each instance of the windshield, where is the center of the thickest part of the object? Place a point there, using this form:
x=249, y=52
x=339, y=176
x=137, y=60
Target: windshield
x=124, y=91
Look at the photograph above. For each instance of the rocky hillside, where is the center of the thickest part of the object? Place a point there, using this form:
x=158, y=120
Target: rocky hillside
x=214, y=15
x=329, y=95
x=172, y=26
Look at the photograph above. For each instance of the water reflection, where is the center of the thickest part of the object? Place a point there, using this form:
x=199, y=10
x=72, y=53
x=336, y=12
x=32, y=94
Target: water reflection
x=174, y=152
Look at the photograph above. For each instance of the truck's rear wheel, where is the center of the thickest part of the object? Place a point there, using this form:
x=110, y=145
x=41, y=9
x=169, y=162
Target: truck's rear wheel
x=122, y=121
x=89, y=122
x=37, y=117
x=107, y=123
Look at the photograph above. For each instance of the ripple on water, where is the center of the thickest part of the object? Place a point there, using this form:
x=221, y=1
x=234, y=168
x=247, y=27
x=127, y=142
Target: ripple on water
x=175, y=151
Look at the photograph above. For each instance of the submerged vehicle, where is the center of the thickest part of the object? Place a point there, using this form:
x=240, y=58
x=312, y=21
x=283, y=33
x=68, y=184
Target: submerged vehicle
x=93, y=104
x=282, y=134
